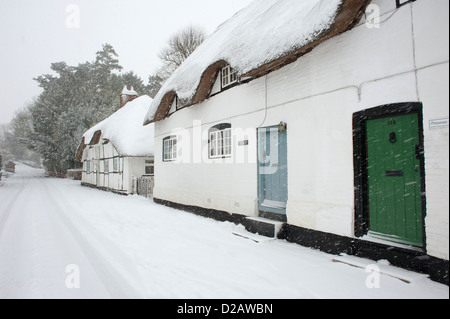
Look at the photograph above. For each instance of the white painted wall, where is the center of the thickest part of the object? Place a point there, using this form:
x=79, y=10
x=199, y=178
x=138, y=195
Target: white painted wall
x=432, y=54
x=405, y=60
x=120, y=178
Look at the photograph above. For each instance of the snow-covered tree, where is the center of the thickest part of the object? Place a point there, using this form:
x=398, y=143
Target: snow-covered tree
x=74, y=99
x=14, y=141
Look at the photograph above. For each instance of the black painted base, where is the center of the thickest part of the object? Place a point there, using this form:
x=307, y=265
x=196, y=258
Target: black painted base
x=437, y=269
x=105, y=189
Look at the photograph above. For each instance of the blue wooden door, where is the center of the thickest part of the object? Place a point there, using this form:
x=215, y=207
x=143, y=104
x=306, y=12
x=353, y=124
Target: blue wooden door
x=272, y=170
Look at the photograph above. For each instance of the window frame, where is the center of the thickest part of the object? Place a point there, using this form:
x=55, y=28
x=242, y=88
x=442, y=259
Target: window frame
x=152, y=168
x=171, y=144
x=220, y=141
x=106, y=166
x=228, y=76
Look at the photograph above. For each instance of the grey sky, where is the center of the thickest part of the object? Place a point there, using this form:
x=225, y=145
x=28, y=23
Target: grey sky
x=34, y=34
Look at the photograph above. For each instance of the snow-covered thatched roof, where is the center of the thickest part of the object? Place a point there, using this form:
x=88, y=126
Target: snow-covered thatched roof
x=259, y=39
x=124, y=130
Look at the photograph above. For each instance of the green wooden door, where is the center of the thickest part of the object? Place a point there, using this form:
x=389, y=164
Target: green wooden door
x=272, y=170
x=394, y=188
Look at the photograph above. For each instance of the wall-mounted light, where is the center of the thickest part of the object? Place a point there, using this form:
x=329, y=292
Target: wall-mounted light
x=282, y=126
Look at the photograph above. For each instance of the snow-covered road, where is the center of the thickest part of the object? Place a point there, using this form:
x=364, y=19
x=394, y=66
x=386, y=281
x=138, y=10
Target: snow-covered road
x=55, y=234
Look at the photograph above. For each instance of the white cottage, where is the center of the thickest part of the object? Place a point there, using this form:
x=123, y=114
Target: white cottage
x=119, y=150
x=328, y=116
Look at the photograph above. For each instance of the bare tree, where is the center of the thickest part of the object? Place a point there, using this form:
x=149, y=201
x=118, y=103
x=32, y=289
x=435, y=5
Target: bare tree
x=178, y=48
x=181, y=45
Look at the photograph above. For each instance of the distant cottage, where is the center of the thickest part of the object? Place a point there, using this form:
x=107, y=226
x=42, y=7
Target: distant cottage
x=10, y=167
x=119, y=150
x=317, y=114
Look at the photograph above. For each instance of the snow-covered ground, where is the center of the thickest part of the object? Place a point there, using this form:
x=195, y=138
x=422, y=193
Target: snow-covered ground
x=61, y=240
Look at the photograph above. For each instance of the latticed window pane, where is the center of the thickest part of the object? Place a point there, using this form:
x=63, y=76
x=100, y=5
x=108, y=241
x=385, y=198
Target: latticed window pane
x=149, y=170
x=220, y=144
x=227, y=142
x=225, y=76
x=170, y=149
x=233, y=77
x=213, y=144
x=228, y=76
x=174, y=149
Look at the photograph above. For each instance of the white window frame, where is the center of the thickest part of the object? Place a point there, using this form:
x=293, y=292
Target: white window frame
x=106, y=166
x=152, y=169
x=220, y=143
x=228, y=76
x=170, y=149
x=115, y=164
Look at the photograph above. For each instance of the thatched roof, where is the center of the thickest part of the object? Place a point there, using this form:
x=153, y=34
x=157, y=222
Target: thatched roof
x=261, y=38
x=124, y=130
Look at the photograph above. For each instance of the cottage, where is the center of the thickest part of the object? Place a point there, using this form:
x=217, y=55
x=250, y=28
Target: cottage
x=10, y=167
x=119, y=150
x=330, y=117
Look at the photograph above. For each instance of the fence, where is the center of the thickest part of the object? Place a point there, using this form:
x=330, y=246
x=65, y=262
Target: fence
x=145, y=186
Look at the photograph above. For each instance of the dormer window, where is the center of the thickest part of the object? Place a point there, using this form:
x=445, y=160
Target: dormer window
x=229, y=76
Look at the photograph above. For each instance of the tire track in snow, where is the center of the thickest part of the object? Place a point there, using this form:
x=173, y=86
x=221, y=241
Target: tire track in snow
x=12, y=199
x=18, y=246
x=98, y=250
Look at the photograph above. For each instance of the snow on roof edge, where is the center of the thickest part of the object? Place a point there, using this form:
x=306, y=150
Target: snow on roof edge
x=125, y=131
x=267, y=40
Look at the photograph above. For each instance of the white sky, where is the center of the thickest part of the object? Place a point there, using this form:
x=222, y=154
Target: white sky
x=34, y=34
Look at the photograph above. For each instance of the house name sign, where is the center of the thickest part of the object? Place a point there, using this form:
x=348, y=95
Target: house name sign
x=439, y=122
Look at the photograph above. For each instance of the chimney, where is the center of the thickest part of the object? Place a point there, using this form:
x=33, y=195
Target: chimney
x=127, y=96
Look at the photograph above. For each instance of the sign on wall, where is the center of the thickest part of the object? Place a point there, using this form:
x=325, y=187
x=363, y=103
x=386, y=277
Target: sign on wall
x=439, y=122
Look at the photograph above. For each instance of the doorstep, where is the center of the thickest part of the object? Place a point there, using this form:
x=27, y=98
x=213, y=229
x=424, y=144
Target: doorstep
x=263, y=226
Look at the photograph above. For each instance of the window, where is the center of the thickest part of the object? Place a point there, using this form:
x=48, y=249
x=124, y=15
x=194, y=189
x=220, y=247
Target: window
x=116, y=164
x=170, y=149
x=106, y=166
x=88, y=167
x=149, y=170
x=228, y=76
x=220, y=141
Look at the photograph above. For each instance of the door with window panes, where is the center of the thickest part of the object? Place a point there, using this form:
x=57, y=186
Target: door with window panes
x=272, y=170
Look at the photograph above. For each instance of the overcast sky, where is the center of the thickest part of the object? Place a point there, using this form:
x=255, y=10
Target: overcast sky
x=34, y=34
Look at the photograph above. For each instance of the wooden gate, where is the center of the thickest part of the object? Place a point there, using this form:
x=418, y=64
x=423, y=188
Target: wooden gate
x=145, y=186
